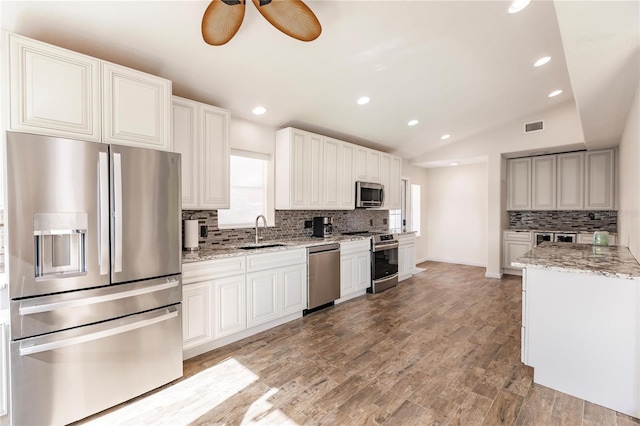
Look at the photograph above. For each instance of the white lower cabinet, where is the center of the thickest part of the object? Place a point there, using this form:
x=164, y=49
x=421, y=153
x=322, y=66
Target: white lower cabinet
x=515, y=244
x=196, y=315
x=406, y=256
x=229, y=299
x=355, y=267
x=229, y=307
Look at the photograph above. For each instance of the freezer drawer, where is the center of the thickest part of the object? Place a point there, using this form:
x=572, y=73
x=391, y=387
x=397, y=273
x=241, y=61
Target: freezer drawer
x=66, y=376
x=46, y=314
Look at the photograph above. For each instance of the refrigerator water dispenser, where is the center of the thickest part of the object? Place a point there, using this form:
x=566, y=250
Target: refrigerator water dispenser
x=60, y=244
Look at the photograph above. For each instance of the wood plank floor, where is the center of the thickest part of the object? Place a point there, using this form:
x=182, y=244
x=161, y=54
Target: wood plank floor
x=442, y=348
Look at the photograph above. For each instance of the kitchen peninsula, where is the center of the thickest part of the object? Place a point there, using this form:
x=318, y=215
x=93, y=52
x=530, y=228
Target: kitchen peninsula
x=581, y=322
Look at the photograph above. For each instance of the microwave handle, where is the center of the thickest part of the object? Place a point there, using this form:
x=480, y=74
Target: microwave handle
x=382, y=196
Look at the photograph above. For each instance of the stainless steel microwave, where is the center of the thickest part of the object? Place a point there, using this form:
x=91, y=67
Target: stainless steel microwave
x=369, y=194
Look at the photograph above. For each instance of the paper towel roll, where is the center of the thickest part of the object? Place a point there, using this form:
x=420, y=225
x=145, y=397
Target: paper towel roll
x=191, y=234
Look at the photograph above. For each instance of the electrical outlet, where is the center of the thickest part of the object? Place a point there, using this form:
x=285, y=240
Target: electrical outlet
x=384, y=221
x=371, y=222
x=308, y=224
x=204, y=231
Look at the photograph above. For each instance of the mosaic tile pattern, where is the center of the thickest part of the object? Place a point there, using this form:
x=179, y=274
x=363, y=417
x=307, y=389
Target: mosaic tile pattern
x=565, y=221
x=611, y=261
x=288, y=224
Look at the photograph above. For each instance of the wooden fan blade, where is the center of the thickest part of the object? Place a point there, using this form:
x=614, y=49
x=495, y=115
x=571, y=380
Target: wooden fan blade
x=221, y=21
x=292, y=17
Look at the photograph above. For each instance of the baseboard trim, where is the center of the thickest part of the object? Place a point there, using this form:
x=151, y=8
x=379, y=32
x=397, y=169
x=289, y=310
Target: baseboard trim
x=457, y=262
x=492, y=275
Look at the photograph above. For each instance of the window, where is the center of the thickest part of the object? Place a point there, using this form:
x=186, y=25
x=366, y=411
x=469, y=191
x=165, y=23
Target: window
x=248, y=190
x=415, y=208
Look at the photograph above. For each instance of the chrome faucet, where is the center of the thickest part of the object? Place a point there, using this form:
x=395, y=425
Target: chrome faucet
x=264, y=221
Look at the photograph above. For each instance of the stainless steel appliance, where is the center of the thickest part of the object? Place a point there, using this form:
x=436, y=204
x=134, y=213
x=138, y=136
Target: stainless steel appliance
x=541, y=237
x=324, y=275
x=565, y=237
x=369, y=194
x=384, y=262
x=322, y=226
x=94, y=270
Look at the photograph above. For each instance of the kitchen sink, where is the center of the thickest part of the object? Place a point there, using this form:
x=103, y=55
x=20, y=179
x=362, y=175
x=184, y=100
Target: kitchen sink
x=261, y=246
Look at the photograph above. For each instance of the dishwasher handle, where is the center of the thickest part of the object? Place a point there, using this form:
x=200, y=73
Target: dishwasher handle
x=323, y=248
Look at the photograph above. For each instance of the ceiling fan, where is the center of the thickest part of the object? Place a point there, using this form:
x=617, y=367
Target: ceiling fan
x=223, y=18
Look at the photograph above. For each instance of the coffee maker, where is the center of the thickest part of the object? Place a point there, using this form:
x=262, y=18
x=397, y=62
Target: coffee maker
x=322, y=226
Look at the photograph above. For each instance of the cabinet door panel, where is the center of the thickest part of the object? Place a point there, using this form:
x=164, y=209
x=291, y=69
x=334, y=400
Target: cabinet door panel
x=373, y=166
x=363, y=265
x=393, y=193
x=519, y=184
x=137, y=108
x=570, y=181
x=362, y=164
x=332, y=173
x=229, y=306
x=544, y=182
x=196, y=314
x=385, y=179
x=41, y=75
x=185, y=141
x=348, y=274
x=214, y=157
x=513, y=250
x=300, y=191
x=599, y=191
x=262, y=297
x=293, y=285
x=347, y=177
x=315, y=173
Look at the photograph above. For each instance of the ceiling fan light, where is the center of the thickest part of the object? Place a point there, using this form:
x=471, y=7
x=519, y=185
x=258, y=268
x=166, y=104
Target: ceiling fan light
x=540, y=62
x=518, y=5
x=555, y=93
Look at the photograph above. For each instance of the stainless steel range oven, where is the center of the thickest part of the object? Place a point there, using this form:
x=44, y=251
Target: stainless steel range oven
x=384, y=262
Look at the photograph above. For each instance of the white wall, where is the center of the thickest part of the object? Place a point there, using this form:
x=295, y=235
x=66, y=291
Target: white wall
x=456, y=208
x=629, y=172
x=418, y=176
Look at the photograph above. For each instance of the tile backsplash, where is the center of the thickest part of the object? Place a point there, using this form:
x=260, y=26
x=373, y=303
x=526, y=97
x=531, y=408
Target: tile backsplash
x=570, y=220
x=288, y=224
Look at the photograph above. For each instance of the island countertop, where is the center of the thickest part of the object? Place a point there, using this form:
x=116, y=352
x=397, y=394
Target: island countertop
x=610, y=261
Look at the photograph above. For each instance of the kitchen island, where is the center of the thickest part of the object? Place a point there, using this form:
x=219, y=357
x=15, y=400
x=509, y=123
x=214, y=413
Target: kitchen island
x=581, y=322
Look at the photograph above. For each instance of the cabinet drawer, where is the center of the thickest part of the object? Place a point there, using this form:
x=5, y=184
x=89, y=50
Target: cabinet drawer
x=355, y=246
x=517, y=235
x=259, y=262
x=210, y=269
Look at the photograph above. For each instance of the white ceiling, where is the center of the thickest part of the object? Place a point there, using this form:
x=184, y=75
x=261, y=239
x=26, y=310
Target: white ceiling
x=459, y=67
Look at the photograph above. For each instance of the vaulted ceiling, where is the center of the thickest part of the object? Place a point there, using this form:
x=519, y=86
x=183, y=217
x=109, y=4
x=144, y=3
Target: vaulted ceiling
x=458, y=67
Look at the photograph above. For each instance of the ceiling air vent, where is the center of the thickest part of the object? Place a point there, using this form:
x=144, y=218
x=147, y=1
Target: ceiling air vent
x=534, y=126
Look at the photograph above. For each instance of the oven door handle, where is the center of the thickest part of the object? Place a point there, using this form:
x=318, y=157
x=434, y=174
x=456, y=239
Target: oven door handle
x=381, y=247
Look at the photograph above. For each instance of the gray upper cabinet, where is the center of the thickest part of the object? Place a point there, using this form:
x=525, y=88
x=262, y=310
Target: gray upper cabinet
x=599, y=182
x=543, y=179
x=570, y=181
x=519, y=184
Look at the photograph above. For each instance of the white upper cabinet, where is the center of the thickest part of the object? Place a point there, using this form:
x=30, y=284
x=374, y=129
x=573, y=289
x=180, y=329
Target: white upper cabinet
x=570, y=195
x=543, y=178
x=41, y=76
x=519, y=184
x=599, y=180
x=347, y=184
x=201, y=135
x=373, y=166
x=58, y=92
x=137, y=108
x=393, y=192
x=362, y=164
x=332, y=171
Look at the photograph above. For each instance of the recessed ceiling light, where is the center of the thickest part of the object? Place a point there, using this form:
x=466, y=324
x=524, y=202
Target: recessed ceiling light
x=455, y=163
x=363, y=100
x=555, y=93
x=542, y=61
x=443, y=137
x=412, y=122
x=518, y=5
x=259, y=110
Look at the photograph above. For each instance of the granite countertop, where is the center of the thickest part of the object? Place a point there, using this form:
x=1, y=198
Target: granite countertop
x=609, y=261
x=288, y=244
x=573, y=231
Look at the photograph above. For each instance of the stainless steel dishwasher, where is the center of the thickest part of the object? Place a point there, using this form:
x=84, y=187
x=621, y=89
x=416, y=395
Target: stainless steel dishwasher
x=324, y=275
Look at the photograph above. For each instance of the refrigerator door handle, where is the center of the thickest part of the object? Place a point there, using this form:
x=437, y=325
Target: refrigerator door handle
x=103, y=213
x=164, y=315
x=117, y=213
x=54, y=306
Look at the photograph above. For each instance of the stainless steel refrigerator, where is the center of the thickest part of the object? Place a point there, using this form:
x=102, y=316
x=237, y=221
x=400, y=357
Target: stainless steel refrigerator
x=94, y=271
